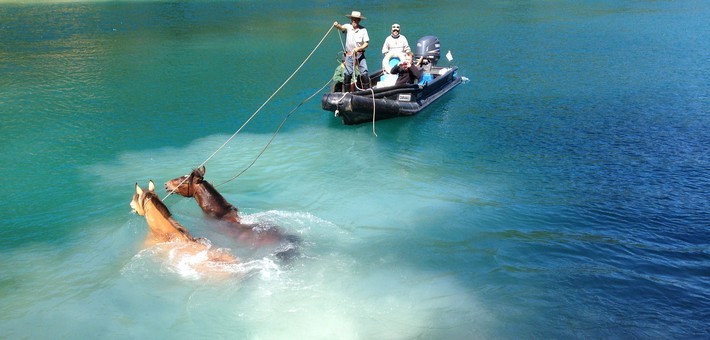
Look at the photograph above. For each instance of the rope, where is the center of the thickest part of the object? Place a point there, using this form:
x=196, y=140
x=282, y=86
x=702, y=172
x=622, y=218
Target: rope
x=258, y=110
x=267, y=100
x=340, y=36
x=374, y=132
x=355, y=67
x=275, y=133
x=342, y=44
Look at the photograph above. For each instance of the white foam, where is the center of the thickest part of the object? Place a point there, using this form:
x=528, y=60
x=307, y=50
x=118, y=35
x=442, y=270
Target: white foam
x=351, y=277
x=180, y=259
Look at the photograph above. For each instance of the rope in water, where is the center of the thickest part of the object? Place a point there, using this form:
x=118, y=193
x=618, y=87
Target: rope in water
x=257, y=111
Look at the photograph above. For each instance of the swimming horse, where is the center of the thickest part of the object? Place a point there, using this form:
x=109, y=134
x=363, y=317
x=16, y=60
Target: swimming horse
x=214, y=205
x=165, y=230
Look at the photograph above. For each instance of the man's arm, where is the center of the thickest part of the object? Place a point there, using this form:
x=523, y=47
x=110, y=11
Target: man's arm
x=416, y=72
x=361, y=48
x=339, y=26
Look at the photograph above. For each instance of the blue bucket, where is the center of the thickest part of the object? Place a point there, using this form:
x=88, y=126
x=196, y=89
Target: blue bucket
x=426, y=78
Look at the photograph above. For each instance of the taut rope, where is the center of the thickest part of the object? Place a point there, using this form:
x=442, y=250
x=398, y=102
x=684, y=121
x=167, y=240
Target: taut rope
x=258, y=110
x=275, y=133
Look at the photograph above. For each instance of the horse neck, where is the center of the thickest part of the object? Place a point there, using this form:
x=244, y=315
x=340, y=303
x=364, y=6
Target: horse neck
x=210, y=200
x=162, y=225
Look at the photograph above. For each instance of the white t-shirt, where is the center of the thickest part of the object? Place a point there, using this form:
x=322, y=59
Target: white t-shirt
x=355, y=37
x=399, y=44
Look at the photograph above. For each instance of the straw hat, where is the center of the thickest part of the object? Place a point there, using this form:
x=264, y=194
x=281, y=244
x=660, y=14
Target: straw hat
x=356, y=15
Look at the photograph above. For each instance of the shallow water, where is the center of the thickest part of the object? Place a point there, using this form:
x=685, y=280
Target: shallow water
x=561, y=192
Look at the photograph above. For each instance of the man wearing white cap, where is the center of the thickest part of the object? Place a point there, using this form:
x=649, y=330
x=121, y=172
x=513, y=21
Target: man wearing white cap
x=395, y=42
x=356, y=41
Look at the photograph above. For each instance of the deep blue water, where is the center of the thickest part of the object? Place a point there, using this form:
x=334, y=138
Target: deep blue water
x=562, y=192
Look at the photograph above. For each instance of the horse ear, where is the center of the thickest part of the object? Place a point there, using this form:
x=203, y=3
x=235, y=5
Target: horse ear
x=139, y=191
x=151, y=185
x=201, y=170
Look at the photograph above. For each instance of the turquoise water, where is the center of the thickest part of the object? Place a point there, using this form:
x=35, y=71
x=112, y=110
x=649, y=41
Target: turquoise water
x=561, y=193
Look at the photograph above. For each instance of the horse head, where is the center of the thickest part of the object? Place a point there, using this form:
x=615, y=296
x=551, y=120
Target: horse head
x=140, y=197
x=162, y=225
x=167, y=232
x=185, y=185
x=214, y=205
x=208, y=198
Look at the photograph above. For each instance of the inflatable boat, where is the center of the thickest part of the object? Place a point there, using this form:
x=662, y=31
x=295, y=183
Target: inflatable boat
x=382, y=99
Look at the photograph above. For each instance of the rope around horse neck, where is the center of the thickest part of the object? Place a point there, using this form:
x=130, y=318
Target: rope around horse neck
x=258, y=110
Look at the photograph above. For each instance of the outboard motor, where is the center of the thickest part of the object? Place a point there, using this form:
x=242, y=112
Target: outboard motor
x=429, y=48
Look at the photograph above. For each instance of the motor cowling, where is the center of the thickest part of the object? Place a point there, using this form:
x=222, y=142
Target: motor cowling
x=429, y=48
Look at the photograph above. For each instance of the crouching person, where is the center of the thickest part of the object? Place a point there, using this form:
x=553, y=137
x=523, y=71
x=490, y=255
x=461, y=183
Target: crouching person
x=407, y=73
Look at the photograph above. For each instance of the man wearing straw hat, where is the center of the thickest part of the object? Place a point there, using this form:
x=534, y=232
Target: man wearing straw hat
x=356, y=41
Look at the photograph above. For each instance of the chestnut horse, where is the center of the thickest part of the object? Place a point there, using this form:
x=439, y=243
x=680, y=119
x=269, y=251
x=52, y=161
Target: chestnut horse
x=214, y=205
x=163, y=229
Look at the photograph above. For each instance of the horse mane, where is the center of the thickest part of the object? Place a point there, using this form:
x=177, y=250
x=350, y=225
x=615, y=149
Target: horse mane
x=217, y=196
x=163, y=210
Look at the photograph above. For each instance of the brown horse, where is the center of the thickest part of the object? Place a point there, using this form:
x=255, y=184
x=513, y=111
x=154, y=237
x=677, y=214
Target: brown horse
x=163, y=229
x=214, y=205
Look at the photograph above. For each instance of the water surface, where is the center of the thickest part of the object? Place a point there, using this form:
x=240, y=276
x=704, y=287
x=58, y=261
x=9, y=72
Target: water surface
x=560, y=193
